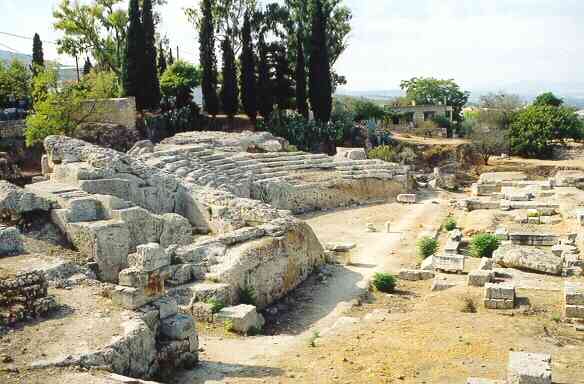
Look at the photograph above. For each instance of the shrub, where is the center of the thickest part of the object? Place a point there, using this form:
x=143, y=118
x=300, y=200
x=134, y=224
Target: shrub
x=483, y=245
x=427, y=247
x=468, y=305
x=383, y=152
x=247, y=295
x=450, y=224
x=216, y=305
x=384, y=282
x=313, y=338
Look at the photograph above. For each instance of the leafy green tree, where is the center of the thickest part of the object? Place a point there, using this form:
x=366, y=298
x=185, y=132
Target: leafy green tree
x=536, y=128
x=179, y=80
x=38, y=59
x=301, y=97
x=229, y=89
x=548, y=99
x=488, y=143
x=431, y=91
x=133, y=77
x=151, y=84
x=368, y=110
x=87, y=67
x=497, y=110
x=320, y=87
x=208, y=60
x=248, y=71
x=15, y=81
x=98, y=27
x=266, y=99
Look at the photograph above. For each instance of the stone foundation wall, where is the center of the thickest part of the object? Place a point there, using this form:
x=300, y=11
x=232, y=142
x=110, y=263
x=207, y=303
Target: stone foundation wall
x=112, y=111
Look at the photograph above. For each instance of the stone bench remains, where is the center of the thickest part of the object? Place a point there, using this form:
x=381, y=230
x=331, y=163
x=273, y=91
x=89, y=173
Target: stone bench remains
x=499, y=296
x=415, y=274
x=574, y=300
x=453, y=263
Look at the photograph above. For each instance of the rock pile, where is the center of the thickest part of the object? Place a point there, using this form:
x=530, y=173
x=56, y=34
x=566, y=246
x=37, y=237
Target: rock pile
x=24, y=296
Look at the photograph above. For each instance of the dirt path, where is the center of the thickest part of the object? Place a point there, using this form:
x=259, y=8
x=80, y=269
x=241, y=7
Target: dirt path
x=317, y=306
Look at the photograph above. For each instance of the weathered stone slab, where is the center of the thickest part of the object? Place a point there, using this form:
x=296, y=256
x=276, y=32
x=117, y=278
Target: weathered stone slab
x=243, y=318
x=177, y=327
x=574, y=293
x=479, y=278
x=486, y=264
x=11, y=241
x=406, y=198
x=149, y=257
x=451, y=247
x=442, y=284
x=18, y=201
x=415, y=274
x=339, y=247
x=499, y=177
x=131, y=298
x=529, y=368
x=449, y=263
x=528, y=258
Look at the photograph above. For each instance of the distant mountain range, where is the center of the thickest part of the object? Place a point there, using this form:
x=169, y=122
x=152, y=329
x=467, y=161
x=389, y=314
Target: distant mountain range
x=66, y=73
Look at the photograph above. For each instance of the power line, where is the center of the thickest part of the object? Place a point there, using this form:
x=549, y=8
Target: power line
x=9, y=48
x=25, y=37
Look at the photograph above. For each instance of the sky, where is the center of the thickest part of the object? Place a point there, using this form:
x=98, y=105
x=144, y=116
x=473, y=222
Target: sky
x=481, y=44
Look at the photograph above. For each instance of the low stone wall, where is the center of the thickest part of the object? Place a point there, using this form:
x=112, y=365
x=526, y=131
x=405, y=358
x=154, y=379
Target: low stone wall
x=112, y=111
x=12, y=129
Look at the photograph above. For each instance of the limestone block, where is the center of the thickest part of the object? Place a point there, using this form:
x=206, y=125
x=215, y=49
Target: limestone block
x=500, y=291
x=339, y=246
x=144, y=227
x=550, y=220
x=350, y=154
x=486, y=264
x=194, y=253
x=569, y=178
x=477, y=380
x=449, y=263
x=499, y=177
x=428, y=264
x=575, y=311
x=499, y=304
x=104, y=241
x=415, y=274
x=529, y=368
x=110, y=203
x=11, y=241
x=149, y=257
x=176, y=230
x=574, y=293
x=134, y=277
x=202, y=311
x=116, y=187
x=441, y=284
x=131, y=298
x=455, y=235
x=243, y=317
x=166, y=306
x=177, y=327
x=84, y=209
x=406, y=198
x=451, y=247
x=17, y=200
x=479, y=278
x=529, y=258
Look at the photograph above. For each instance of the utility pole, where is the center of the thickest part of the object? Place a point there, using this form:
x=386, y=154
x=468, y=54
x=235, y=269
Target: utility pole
x=177, y=54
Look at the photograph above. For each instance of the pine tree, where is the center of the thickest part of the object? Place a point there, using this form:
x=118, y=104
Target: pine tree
x=161, y=60
x=38, y=60
x=301, y=102
x=133, y=75
x=87, y=67
x=320, y=86
x=151, y=84
x=266, y=100
x=208, y=60
x=229, y=89
x=248, y=72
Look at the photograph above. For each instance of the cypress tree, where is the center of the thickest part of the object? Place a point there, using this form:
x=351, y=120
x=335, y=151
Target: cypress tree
x=87, y=67
x=301, y=102
x=38, y=60
x=161, y=60
x=320, y=85
x=170, y=57
x=133, y=74
x=266, y=101
x=248, y=68
x=208, y=60
x=229, y=89
x=283, y=86
x=151, y=83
